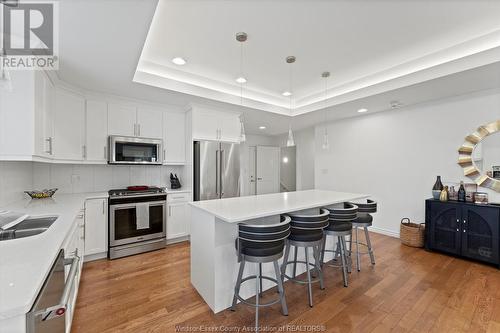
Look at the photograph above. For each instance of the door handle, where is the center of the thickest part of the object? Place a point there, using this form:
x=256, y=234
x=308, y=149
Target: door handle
x=222, y=172
x=217, y=172
x=259, y=178
x=169, y=210
x=103, y=208
x=105, y=155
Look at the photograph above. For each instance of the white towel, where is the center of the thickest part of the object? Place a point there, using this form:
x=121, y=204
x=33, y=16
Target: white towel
x=142, y=215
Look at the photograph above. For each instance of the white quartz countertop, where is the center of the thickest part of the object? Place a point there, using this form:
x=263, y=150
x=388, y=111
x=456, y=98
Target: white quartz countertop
x=25, y=262
x=250, y=207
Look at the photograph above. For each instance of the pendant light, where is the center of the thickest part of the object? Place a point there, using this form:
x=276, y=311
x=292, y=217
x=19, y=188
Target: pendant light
x=241, y=37
x=5, y=80
x=290, y=142
x=326, y=144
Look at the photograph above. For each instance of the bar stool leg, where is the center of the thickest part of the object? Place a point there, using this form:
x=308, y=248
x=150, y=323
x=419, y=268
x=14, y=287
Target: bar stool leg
x=337, y=251
x=257, y=293
x=285, y=261
x=323, y=246
x=347, y=255
x=358, y=264
x=238, y=284
x=318, y=266
x=281, y=290
x=295, y=262
x=341, y=241
x=369, y=244
x=260, y=277
x=309, y=287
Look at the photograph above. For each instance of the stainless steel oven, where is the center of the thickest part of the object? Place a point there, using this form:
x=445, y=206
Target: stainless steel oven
x=133, y=150
x=137, y=223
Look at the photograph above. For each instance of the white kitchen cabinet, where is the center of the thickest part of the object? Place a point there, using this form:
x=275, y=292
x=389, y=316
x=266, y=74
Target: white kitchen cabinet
x=96, y=227
x=96, y=131
x=44, y=105
x=69, y=126
x=215, y=125
x=74, y=246
x=149, y=123
x=174, y=138
x=122, y=120
x=177, y=216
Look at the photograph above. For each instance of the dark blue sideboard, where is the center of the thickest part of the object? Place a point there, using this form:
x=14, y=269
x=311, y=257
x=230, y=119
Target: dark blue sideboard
x=463, y=229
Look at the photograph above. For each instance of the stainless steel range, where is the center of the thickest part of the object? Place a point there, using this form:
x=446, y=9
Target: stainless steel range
x=137, y=220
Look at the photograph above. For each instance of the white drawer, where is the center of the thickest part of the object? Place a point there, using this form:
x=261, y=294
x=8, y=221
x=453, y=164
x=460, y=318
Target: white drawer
x=178, y=197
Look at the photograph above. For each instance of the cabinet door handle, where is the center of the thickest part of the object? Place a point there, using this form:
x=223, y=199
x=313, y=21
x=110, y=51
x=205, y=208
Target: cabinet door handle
x=84, y=151
x=164, y=155
x=135, y=129
x=458, y=230
x=103, y=208
x=139, y=129
x=105, y=155
x=169, y=210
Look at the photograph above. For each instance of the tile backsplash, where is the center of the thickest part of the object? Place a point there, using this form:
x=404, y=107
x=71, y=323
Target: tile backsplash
x=78, y=178
x=17, y=177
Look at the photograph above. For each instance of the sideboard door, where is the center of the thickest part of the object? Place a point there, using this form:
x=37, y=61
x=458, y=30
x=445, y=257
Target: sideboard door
x=444, y=230
x=480, y=233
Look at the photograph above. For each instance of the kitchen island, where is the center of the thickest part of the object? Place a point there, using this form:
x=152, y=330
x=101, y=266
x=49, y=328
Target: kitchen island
x=214, y=229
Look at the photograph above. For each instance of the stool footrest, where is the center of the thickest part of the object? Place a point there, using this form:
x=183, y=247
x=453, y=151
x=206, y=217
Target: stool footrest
x=260, y=304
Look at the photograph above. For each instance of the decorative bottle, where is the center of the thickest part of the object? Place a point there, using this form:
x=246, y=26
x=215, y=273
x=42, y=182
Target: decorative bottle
x=438, y=186
x=444, y=194
x=461, y=192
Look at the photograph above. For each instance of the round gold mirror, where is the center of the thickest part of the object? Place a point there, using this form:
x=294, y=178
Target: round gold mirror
x=479, y=156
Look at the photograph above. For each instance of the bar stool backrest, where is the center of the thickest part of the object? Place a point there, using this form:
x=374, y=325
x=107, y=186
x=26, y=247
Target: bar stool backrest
x=345, y=212
x=367, y=208
x=310, y=222
x=262, y=233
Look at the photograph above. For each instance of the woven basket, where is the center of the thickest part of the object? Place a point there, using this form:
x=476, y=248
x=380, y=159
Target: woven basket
x=412, y=234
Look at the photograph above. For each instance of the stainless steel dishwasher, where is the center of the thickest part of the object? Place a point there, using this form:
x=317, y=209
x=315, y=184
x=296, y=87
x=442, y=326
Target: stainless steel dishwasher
x=49, y=310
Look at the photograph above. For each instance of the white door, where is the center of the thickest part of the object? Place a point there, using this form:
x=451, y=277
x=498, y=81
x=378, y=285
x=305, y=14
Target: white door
x=149, y=122
x=69, y=126
x=230, y=127
x=122, y=120
x=96, y=131
x=177, y=224
x=174, y=138
x=205, y=125
x=252, y=151
x=268, y=169
x=96, y=226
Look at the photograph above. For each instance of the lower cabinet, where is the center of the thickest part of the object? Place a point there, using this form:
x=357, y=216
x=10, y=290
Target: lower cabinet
x=74, y=246
x=464, y=229
x=96, y=228
x=177, y=216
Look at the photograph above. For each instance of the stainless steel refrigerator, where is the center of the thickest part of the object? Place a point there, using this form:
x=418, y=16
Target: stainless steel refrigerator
x=216, y=170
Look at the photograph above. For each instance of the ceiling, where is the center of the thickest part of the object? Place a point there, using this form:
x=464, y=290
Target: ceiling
x=101, y=43
x=368, y=46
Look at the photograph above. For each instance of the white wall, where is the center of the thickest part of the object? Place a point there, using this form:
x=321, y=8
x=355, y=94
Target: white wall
x=78, y=178
x=15, y=178
x=396, y=155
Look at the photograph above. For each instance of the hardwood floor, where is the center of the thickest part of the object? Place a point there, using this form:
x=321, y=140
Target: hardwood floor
x=408, y=290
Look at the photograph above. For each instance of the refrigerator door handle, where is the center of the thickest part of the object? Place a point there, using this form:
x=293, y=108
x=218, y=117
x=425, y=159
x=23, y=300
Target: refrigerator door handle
x=217, y=174
x=222, y=164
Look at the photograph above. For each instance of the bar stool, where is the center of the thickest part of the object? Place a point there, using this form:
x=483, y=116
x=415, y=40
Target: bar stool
x=341, y=218
x=364, y=220
x=306, y=232
x=260, y=243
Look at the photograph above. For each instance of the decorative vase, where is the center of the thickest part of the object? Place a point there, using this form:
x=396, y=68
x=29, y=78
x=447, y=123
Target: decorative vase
x=437, y=188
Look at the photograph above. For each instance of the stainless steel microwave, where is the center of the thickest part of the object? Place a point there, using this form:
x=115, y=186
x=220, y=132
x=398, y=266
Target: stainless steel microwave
x=133, y=150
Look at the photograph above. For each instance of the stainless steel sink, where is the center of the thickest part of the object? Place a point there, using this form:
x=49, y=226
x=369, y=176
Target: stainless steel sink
x=29, y=227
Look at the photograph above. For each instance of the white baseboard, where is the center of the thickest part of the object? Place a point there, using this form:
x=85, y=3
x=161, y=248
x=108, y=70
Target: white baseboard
x=384, y=232
x=177, y=240
x=97, y=256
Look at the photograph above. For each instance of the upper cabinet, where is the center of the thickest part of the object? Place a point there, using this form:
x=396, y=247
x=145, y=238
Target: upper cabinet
x=44, y=117
x=122, y=120
x=96, y=131
x=139, y=121
x=215, y=125
x=69, y=126
x=174, y=138
x=149, y=122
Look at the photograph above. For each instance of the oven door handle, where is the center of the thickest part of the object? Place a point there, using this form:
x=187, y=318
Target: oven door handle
x=60, y=309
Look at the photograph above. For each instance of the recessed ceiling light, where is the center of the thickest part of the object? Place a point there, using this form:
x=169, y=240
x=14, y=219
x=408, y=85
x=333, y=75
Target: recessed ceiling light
x=262, y=127
x=362, y=110
x=287, y=93
x=241, y=79
x=179, y=61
